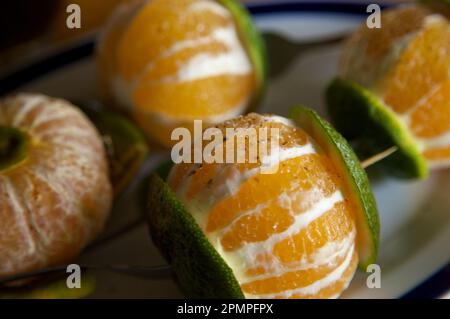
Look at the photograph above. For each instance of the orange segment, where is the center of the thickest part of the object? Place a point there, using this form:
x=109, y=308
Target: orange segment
x=57, y=200
x=438, y=154
x=168, y=66
x=334, y=289
x=203, y=97
x=106, y=56
x=257, y=227
x=422, y=66
x=292, y=279
x=321, y=231
x=167, y=62
x=432, y=117
x=201, y=177
x=406, y=64
x=178, y=173
x=56, y=230
x=271, y=227
x=171, y=21
x=364, y=56
x=17, y=234
x=307, y=172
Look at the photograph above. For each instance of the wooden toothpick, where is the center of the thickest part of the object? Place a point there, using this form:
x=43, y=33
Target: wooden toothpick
x=378, y=157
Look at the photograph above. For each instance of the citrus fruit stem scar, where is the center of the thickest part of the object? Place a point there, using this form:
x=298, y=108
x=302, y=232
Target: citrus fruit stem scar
x=13, y=147
x=378, y=157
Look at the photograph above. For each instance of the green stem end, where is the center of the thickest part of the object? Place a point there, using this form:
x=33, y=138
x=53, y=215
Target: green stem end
x=13, y=147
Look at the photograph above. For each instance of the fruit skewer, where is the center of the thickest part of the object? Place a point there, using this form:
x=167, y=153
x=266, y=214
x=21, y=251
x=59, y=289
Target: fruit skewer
x=393, y=89
x=150, y=271
x=142, y=271
x=229, y=231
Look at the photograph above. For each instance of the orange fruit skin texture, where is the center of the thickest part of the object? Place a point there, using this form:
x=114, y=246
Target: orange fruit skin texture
x=57, y=200
x=406, y=63
x=168, y=62
x=290, y=234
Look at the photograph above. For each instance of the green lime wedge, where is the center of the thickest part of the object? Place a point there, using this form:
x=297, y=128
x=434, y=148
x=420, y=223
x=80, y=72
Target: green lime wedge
x=200, y=270
x=254, y=44
x=54, y=288
x=359, y=115
x=125, y=144
x=355, y=179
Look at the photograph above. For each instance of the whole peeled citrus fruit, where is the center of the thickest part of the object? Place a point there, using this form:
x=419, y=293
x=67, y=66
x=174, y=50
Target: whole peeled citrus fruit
x=168, y=62
x=55, y=193
x=232, y=230
x=393, y=89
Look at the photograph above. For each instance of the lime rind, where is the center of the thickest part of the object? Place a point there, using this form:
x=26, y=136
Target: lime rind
x=125, y=144
x=254, y=45
x=355, y=178
x=200, y=270
x=163, y=169
x=127, y=150
x=359, y=115
x=53, y=288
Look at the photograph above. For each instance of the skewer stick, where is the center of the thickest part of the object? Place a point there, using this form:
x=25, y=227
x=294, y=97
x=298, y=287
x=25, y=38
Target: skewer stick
x=378, y=157
x=145, y=271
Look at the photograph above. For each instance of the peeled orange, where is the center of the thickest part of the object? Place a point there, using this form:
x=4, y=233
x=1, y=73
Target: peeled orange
x=168, y=62
x=230, y=230
x=394, y=89
x=55, y=193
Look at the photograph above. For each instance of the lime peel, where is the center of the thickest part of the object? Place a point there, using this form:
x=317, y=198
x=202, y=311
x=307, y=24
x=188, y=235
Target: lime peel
x=254, y=45
x=355, y=179
x=54, y=289
x=359, y=114
x=200, y=270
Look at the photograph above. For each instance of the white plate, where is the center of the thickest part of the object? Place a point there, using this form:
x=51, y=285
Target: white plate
x=415, y=216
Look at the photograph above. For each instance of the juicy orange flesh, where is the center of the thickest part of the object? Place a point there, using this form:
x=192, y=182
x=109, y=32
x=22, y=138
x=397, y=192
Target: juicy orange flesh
x=202, y=175
x=306, y=172
x=422, y=66
x=257, y=227
x=420, y=85
x=202, y=179
x=416, y=85
x=368, y=47
x=291, y=279
x=438, y=154
x=308, y=240
x=171, y=22
x=198, y=98
x=106, y=55
x=168, y=66
x=435, y=110
x=268, y=205
x=334, y=289
x=162, y=38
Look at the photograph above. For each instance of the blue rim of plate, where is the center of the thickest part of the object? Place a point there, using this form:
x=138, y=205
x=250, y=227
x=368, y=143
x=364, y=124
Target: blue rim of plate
x=432, y=287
